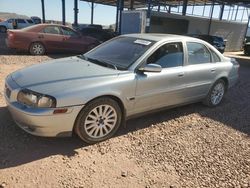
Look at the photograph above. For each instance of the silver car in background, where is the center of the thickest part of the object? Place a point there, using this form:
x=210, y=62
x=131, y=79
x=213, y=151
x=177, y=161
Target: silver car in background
x=94, y=93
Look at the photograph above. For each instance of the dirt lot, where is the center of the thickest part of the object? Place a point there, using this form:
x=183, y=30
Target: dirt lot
x=190, y=146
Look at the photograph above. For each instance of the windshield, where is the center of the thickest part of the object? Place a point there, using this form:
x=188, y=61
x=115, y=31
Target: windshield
x=120, y=52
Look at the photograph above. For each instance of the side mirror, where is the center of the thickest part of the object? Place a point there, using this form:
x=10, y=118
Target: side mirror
x=151, y=68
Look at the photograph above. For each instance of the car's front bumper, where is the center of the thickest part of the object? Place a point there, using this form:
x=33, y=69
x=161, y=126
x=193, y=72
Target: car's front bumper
x=42, y=122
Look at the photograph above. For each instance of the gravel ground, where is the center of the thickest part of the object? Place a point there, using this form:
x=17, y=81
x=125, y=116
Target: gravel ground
x=190, y=146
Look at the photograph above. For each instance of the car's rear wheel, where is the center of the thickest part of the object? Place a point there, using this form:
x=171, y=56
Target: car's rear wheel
x=37, y=48
x=99, y=120
x=3, y=29
x=216, y=94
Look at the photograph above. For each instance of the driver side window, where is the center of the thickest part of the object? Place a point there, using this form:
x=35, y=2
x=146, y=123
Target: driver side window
x=168, y=55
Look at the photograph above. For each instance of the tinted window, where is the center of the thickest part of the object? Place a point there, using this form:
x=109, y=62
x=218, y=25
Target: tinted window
x=10, y=20
x=52, y=30
x=168, y=55
x=122, y=52
x=20, y=21
x=30, y=21
x=69, y=32
x=198, y=53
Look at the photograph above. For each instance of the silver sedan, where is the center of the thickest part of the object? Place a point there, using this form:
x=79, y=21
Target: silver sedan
x=94, y=93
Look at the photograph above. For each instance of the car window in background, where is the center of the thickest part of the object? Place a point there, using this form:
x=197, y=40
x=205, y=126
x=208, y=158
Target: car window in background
x=168, y=55
x=20, y=21
x=121, y=52
x=30, y=21
x=69, y=32
x=52, y=30
x=198, y=53
x=10, y=20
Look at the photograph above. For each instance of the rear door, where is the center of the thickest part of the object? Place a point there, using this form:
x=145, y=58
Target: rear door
x=72, y=41
x=52, y=37
x=200, y=70
x=21, y=23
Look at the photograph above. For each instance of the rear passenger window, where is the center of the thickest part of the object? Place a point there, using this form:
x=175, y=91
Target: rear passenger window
x=20, y=21
x=216, y=58
x=198, y=53
x=52, y=30
x=168, y=55
x=30, y=21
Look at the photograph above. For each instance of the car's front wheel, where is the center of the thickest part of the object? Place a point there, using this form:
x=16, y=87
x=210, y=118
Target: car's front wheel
x=37, y=48
x=99, y=120
x=216, y=94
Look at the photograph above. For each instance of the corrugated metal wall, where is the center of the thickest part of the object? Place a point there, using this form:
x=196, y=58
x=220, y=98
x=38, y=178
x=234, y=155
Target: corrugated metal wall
x=233, y=32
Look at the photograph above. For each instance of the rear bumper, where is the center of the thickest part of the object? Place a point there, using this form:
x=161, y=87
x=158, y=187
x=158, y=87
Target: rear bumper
x=13, y=44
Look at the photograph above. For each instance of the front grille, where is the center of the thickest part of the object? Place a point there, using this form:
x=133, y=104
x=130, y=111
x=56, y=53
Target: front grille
x=7, y=91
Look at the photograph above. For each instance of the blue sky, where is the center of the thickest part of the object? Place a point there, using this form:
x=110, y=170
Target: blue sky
x=103, y=14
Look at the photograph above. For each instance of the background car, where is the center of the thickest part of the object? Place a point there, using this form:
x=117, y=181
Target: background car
x=100, y=34
x=36, y=19
x=94, y=93
x=217, y=42
x=42, y=38
x=15, y=23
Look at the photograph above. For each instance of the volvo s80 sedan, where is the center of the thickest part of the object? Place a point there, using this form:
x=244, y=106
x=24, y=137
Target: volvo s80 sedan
x=94, y=93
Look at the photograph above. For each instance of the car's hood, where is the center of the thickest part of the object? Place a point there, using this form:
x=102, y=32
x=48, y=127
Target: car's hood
x=59, y=70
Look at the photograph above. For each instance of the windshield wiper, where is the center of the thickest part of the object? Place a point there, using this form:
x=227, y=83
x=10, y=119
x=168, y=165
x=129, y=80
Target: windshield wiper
x=100, y=62
x=81, y=56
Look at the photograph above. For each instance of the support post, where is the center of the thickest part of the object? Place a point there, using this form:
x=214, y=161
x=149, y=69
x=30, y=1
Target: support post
x=117, y=16
x=169, y=9
x=92, y=12
x=76, y=13
x=148, y=16
x=184, y=8
x=63, y=12
x=211, y=18
x=43, y=11
x=247, y=25
x=120, y=16
x=236, y=14
x=221, y=11
x=131, y=4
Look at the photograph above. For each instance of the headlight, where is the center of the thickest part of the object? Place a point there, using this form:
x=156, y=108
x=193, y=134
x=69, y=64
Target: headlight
x=34, y=99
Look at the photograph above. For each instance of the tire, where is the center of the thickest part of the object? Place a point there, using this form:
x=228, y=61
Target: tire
x=37, y=48
x=3, y=29
x=99, y=120
x=216, y=94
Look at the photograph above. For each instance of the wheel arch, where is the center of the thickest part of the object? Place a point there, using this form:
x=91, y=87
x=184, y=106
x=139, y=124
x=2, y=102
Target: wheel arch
x=115, y=98
x=32, y=42
x=225, y=79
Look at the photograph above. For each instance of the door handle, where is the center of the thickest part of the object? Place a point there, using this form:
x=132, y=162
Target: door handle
x=213, y=70
x=181, y=74
x=40, y=36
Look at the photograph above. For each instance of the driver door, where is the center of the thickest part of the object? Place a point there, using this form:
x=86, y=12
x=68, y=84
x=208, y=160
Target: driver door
x=165, y=88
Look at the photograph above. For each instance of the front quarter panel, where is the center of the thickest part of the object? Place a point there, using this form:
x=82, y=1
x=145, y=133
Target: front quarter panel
x=81, y=91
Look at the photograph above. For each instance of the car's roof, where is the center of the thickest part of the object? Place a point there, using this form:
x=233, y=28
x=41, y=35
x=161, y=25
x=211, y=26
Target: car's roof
x=158, y=37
